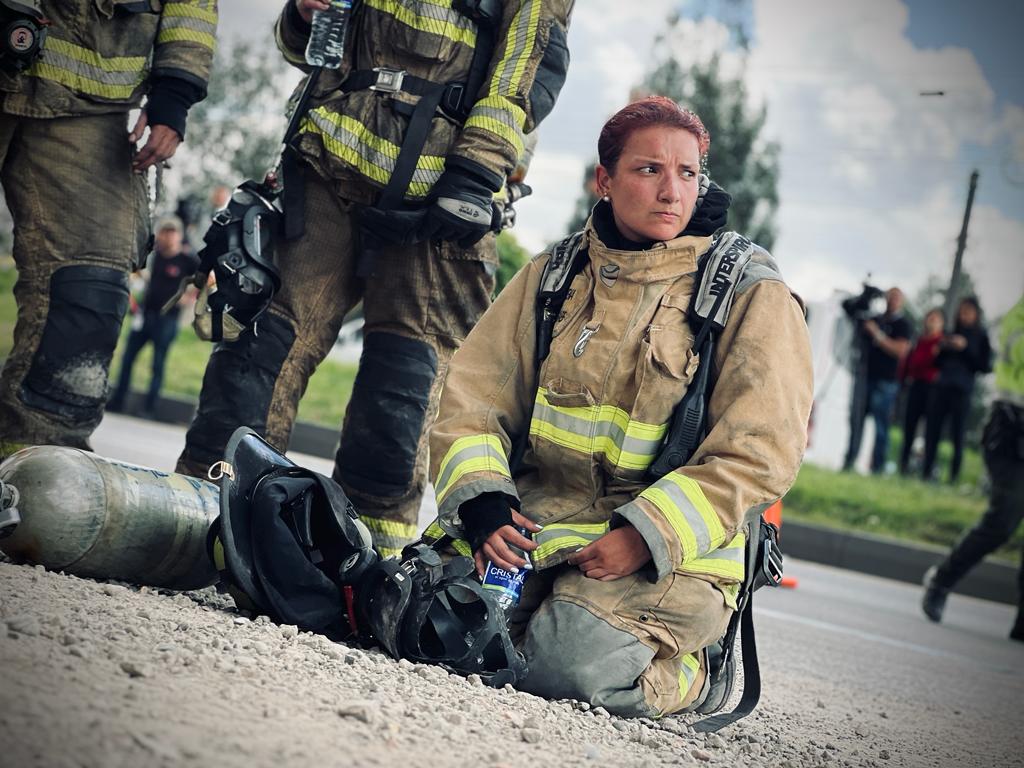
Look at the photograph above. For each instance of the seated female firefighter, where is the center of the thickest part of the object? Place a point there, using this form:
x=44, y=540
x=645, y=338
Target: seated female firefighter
x=634, y=573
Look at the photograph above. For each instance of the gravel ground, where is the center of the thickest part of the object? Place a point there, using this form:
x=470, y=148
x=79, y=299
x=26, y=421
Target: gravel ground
x=107, y=675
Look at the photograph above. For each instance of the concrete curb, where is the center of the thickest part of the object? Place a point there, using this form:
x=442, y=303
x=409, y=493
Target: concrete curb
x=892, y=559
x=862, y=552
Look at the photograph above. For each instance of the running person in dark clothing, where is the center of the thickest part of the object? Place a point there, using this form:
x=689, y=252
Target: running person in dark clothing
x=962, y=356
x=167, y=266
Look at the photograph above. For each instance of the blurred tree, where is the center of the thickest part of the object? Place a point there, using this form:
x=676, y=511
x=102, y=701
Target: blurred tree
x=235, y=133
x=740, y=159
x=511, y=258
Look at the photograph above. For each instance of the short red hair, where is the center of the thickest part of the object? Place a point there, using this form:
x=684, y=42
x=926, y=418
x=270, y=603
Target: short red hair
x=653, y=110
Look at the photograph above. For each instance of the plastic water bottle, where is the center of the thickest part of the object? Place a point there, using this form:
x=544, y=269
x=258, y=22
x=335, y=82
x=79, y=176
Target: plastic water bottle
x=507, y=586
x=327, y=38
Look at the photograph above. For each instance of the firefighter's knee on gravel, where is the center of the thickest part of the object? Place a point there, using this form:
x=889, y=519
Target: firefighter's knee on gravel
x=573, y=654
x=68, y=375
x=377, y=454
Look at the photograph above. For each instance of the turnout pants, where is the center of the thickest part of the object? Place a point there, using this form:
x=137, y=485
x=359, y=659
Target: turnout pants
x=419, y=305
x=81, y=223
x=627, y=645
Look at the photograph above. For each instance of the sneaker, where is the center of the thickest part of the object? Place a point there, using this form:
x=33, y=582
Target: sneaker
x=933, y=602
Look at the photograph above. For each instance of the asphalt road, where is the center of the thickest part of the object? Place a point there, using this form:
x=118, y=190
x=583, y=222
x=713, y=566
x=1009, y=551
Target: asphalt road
x=848, y=660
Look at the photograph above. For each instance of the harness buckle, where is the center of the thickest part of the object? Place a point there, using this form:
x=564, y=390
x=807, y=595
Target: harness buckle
x=388, y=80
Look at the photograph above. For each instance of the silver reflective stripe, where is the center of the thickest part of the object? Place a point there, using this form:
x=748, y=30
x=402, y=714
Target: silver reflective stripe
x=384, y=162
x=557, y=537
x=509, y=72
x=689, y=666
x=454, y=461
x=600, y=434
x=80, y=68
x=681, y=512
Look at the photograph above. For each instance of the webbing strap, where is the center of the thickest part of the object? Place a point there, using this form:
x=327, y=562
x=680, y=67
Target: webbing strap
x=751, y=677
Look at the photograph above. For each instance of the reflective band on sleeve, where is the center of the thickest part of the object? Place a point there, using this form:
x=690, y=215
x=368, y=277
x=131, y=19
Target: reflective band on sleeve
x=689, y=512
x=600, y=430
x=434, y=533
x=728, y=562
x=522, y=37
x=87, y=72
x=474, y=453
x=187, y=22
x=373, y=156
x=557, y=537
x=498, y=115
x=390, y=536
x=433, y=16
x=688, y=669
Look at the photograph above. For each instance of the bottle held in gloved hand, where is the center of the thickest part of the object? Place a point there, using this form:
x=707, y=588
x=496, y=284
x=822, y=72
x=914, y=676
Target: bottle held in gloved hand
x=507, y=586
x=327, y=38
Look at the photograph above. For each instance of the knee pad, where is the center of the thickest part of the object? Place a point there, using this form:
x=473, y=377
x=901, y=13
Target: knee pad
x=390, y=397
x=238, y=386
x=68, y=374
x=573, y=654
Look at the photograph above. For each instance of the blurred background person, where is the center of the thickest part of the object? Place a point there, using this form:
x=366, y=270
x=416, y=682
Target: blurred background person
x=1003, y=445
x=886, y=338
x=919, y=374
x=962, y=356
x=167, y=266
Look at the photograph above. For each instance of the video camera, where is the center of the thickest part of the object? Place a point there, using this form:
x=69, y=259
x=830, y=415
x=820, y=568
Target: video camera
x=859, y=307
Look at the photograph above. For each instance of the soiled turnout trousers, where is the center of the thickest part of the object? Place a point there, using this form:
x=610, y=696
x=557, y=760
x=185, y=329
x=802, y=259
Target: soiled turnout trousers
x=81, y=222
x=627, y=645
x=419, y=305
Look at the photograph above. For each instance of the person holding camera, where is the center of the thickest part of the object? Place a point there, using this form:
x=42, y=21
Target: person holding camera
x=884, y=340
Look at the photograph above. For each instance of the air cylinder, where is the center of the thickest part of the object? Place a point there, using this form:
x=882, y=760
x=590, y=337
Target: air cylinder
x=96, y=517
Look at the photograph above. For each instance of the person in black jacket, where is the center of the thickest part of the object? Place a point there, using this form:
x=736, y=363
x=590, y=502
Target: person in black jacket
x=962, y=356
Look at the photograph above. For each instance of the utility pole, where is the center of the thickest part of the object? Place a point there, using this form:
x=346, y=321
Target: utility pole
x=953, y=294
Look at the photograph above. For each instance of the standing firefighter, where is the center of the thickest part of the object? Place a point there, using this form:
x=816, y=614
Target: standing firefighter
x=76, y=187
x=399, y=159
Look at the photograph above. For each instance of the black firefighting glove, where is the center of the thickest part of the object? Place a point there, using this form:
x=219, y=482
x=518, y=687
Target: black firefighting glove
x=483, y=515
x=462, y=206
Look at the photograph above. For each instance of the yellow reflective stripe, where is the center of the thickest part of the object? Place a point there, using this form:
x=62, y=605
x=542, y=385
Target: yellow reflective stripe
x=391, y=528
x=183, y=35
x=372, y=155
x=688, y=669
x=598, y=429
x=189, y=10
x=498, y=115
x=519, y=44
x=689, y=512
x=473, y=453
x=728, y=562
x=560, y=536
x=436, y=18
x=85, y=71
x=434, y=532
x=387, y=552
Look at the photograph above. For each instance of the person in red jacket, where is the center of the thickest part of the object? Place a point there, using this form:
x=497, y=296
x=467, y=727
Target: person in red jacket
x=919, y=374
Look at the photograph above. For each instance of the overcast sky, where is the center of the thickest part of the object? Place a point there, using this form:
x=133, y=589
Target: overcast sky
x=874, y=175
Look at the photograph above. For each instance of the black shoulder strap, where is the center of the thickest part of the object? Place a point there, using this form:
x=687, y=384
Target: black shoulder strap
x=567, y=260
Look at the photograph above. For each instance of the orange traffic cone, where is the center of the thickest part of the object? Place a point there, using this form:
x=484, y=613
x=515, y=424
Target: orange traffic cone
x=773, y=515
